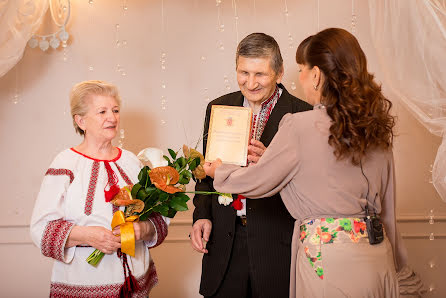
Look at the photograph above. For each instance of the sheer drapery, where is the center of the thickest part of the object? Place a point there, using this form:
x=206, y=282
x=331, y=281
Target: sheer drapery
x=410, y=41
x=19, y=19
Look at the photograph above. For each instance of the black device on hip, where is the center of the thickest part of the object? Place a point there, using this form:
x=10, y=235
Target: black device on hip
x=374, y=225
x=375, y=229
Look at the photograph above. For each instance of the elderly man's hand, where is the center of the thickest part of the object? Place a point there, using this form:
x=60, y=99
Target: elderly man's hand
x=210, y=167
x=199, y=234
x=255, y=151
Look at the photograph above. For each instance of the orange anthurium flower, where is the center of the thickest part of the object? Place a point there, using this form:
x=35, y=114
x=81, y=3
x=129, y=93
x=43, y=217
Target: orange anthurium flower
x=124, y=198
x=165, y=178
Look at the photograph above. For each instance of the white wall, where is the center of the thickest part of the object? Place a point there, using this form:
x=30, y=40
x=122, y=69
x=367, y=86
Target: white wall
x=35, y=129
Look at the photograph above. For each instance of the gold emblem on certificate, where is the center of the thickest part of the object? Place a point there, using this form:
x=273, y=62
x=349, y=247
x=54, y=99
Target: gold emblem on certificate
x=229, y=134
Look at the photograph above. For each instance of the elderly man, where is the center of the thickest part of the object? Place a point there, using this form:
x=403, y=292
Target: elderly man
x=247, y=252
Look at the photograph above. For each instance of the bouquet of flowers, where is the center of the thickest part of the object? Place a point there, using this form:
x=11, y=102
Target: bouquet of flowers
x=161, y=189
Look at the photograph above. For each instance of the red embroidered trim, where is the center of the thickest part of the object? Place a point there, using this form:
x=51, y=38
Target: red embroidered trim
x=112, y=160
x=123, y=174
x=263, y=115
x=160, y=227
x=145, y=282
x=54, y=237
x=91, y=188
x=60, y=172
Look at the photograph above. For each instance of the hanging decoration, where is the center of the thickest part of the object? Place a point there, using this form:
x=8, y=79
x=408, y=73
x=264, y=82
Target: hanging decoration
x=163, y=60
x=353, y=25
x=60, y=14
x=290, y=36
x=221, y=26
x=120, y=42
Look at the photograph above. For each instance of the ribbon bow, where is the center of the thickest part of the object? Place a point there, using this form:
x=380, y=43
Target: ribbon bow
x=127, y=232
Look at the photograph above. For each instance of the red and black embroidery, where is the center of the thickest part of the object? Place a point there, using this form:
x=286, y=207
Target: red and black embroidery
x=145, y=285
x=60, y=172
x=260, y=120
x=54, y=238
x=160, y=226
x=123, y=174
x=91, y=188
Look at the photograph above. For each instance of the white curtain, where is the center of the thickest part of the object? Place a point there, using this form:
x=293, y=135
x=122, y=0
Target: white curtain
x=19, y=19
x=410, y=41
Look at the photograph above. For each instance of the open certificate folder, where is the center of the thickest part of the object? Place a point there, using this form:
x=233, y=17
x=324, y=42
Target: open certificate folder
x=229, y=134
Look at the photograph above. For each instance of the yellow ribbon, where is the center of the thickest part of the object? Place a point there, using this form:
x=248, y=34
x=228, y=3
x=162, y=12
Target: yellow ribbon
x=127, y=232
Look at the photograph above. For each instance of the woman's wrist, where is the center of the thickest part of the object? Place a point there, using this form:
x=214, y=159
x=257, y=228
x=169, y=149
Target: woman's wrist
x=78, y=236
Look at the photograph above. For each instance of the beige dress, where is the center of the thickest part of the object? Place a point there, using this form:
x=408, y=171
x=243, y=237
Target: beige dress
x=300, y=164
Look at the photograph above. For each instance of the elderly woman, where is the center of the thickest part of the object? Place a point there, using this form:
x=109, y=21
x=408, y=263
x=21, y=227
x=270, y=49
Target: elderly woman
x=72, y=214
x=333, y=167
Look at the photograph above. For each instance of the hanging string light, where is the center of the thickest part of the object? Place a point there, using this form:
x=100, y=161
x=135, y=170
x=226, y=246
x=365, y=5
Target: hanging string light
x=353, y=24
x=16, y=97
x=120, y=43
x=287, y=14
x=290, y=36
x=220, y=25
x=234, y=6
x=163, y=61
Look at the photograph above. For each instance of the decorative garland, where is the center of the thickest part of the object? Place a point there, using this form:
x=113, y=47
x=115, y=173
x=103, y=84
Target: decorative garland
x=54, y=40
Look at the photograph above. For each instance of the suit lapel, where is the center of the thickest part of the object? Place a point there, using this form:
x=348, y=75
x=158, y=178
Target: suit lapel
x=282, y=107
x=236, y=100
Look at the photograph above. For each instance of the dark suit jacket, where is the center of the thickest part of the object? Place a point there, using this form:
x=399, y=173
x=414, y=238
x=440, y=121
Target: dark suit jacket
x=270, y=226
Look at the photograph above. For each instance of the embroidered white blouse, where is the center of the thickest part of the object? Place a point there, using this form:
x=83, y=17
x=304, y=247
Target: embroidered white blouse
x=72, y=193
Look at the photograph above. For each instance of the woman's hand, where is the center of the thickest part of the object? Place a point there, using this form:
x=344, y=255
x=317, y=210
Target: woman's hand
x=144, y=230
x=210, y=167
x=95, y=236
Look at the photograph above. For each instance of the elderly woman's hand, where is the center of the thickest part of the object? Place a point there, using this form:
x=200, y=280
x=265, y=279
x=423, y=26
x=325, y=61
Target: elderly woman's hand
x=103, y=239
x=97, y=237
x=144, y=230
x=210, y=167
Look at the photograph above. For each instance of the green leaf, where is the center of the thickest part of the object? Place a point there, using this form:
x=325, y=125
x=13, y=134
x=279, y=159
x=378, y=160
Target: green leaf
x=168, y=160
x=181, y=162
x=171, y=213
x=163, y=196
x=172, y=153
x=150, y=188
x=162, y=209
x=184, y=197
x=178, y=204
x=184, y=180
x=135, y=190
x=196, y=162
x=144, y=175
x=142, y=194
x=145, y=216
x=192, y=165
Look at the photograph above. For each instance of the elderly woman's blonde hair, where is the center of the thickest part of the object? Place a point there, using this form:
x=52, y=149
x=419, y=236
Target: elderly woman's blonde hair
x=82, y=91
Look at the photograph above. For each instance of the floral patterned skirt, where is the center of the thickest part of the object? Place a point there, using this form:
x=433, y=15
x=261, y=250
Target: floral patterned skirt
x=335, y=259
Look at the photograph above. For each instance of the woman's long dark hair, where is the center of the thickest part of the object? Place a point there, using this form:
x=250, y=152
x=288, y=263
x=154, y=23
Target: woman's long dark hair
x=360, y=112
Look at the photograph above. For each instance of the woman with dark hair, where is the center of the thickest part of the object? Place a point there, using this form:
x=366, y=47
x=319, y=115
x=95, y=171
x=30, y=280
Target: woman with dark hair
x=333, y=167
